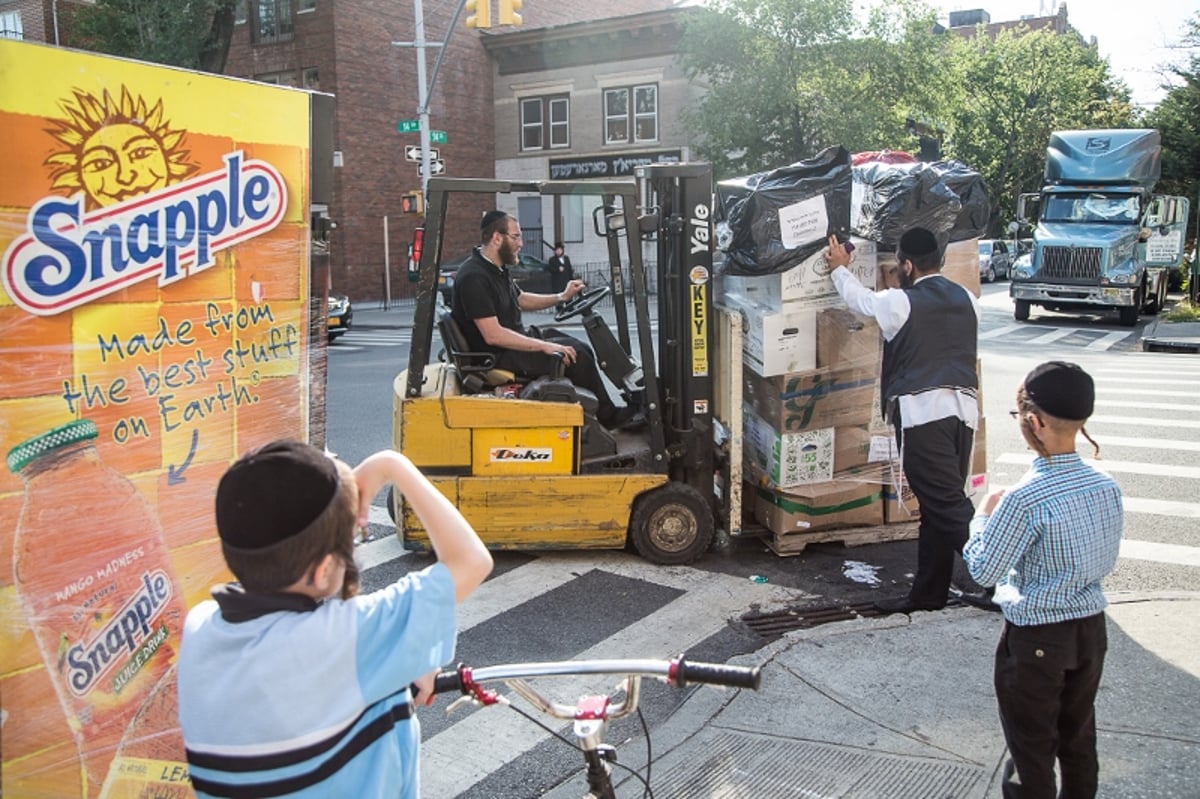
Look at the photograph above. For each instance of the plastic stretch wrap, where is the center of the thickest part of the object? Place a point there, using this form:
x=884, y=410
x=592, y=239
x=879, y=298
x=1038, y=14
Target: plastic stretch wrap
x=770, y=221
x=156, y=320
x=945, y=197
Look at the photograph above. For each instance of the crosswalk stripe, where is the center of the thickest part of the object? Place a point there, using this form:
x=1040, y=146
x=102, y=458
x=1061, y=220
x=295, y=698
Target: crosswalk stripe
x=1145, y=421
x=1052, y=336
x=1158, y=381
x=1160, y=553
x=1147, y=392
x=1107, y=340
x=999, y=331
x=1162, y=507
x=1150, y=406
x=1144, y=443
x=1119, y=467
x=493, y=737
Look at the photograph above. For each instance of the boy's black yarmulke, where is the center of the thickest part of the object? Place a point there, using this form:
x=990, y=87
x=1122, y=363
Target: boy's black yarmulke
x=274, y=492
x=1062, y=389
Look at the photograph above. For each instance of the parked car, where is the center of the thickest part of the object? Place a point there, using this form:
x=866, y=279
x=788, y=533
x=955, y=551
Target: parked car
x=530, y=273
x=341, y=315
x=995, y=260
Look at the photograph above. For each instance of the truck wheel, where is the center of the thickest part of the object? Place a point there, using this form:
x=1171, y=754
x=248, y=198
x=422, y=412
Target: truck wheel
x=1159, y=299
x=1021, y=310
x=672, y=524
x=1129, y=313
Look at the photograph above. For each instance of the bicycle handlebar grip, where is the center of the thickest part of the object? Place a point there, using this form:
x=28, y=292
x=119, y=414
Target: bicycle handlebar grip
x=719, y=674
x=448, y=682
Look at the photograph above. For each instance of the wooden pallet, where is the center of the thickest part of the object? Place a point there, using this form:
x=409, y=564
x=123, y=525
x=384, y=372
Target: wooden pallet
x=794, y=543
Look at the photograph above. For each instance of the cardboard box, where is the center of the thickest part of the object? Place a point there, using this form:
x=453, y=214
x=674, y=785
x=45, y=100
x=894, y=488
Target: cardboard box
x=977, y=485
x=823, y=506
x=786, y=460
x=851, y=447
x=808, y=283
x=846, y=339
x=779, y=341
x=814, y=399
x=901, y=507
x=960, y=264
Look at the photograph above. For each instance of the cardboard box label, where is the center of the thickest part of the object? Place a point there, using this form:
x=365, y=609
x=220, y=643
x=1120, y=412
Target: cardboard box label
x=787, y=459
x=812, y=400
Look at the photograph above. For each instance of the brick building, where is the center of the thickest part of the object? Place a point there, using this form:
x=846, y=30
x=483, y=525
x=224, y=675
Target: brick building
x=345, y=48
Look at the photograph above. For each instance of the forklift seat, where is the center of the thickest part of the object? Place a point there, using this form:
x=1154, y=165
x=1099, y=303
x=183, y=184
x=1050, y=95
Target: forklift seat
x=476, y=369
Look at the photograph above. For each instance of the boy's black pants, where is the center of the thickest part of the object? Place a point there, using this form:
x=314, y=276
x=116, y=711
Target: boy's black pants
x=1046, y=680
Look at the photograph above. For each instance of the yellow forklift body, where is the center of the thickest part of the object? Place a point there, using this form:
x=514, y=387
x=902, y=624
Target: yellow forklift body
x=539, y=512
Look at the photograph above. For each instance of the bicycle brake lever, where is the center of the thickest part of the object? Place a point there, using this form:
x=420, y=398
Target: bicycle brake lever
x=488, y=698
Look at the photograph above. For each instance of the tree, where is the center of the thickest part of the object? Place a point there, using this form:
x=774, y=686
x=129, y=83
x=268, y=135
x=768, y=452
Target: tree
x=1012, y=91
x=194, y=34
x=1177, y=119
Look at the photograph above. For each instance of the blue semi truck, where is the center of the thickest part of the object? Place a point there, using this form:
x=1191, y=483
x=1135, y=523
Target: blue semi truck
x=1102, y=239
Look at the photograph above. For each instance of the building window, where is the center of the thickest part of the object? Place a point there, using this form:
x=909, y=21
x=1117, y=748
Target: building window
x=307, y=5
x=545, y=122
x=240, y=12
x=273, y=21
x=10, y=25
x=277, y=78
x=625, y=122
x=310, y=79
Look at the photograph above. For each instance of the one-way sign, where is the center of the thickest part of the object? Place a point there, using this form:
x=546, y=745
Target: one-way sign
x=412, y=152
x=437, y=167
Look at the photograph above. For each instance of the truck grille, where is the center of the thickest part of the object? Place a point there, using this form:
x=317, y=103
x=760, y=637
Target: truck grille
x=1071, y=263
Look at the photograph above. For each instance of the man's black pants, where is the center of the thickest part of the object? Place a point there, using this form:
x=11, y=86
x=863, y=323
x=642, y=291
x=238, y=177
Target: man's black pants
x=936, y=460
x=583, y=372
x=1046, y=680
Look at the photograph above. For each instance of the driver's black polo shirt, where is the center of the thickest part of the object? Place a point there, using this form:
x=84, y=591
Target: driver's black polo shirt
x=482, y=290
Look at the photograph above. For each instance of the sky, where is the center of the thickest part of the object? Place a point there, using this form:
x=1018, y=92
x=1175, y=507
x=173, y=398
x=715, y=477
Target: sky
x=1134, y=35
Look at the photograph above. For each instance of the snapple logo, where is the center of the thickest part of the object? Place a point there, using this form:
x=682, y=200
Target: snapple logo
x=70, y=257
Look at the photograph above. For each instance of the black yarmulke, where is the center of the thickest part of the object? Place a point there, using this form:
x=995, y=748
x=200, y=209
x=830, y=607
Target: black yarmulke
x=918, y=242
x=490, y=217
x=274, y=492
x=1062, y=389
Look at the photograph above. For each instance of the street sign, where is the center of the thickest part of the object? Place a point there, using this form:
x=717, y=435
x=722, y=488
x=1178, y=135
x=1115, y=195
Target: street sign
x=438, y=136
x=412, y=152
x=437, y=167
x=409, y=126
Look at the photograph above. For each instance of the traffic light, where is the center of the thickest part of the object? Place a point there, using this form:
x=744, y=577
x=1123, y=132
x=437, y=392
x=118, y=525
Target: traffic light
x=412, y=203
x=479, y=13
x=508, y=12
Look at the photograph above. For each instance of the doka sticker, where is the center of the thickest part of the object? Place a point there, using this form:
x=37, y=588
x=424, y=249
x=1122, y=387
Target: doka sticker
x=521, y=454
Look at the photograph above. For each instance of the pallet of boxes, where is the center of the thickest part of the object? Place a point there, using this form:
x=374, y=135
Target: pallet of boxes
x=820, y=461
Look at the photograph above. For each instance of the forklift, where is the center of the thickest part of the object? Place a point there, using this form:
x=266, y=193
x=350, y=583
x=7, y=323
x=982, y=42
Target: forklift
x=531, y=468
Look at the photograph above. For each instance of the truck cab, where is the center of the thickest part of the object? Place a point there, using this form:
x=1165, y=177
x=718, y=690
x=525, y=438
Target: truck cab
x=1102, y=239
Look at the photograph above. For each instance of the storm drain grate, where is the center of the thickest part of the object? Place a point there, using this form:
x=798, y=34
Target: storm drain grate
x=741, y=766
x=775, y=624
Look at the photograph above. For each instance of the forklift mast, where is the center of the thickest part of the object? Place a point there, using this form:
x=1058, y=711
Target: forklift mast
x=680, y=196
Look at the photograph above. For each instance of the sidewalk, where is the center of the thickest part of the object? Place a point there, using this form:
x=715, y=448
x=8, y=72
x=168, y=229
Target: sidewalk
x=899, y=707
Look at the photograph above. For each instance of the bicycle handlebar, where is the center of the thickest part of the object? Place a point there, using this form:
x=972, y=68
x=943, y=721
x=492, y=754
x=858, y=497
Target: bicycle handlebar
x=679, y=672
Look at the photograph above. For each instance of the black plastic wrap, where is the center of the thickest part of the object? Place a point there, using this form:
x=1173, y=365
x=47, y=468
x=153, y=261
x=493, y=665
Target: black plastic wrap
x=945, y=197
x=748, y=213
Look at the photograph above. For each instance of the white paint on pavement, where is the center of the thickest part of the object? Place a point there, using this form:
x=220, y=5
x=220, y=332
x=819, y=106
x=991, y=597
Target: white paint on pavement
x=1115, y=467
x=1107, y=340
x=1161, y=553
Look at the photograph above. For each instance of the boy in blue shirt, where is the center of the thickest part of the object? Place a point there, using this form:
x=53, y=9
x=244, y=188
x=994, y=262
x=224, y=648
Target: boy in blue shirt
x=1046, y=544
x=289, y=683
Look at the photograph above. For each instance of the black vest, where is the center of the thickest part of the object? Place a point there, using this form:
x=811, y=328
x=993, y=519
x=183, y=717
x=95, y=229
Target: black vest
x=936, y=347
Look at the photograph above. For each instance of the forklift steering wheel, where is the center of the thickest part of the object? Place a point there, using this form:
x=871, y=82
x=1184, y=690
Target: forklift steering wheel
x=580, y=303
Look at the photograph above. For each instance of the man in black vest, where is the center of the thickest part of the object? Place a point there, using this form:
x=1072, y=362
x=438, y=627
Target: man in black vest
x=928, y=385
x=487, y=306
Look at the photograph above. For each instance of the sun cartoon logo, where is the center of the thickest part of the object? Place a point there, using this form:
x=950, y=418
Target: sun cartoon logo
x=116, y=149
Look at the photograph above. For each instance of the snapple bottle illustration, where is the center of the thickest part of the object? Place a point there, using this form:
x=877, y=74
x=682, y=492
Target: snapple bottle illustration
x=94, y=578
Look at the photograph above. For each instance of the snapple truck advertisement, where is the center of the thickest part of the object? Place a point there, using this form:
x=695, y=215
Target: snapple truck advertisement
x=154, y=324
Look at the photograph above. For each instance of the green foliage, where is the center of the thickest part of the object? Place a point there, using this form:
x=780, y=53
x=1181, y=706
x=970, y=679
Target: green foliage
x=1177, y=118
x=1183, y=311
x=185, y=33
x=1015, y=90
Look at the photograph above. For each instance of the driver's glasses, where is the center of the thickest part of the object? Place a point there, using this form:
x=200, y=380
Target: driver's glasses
x=514, y=236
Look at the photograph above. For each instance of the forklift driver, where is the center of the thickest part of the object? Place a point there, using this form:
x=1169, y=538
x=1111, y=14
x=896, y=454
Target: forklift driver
x=487, y=307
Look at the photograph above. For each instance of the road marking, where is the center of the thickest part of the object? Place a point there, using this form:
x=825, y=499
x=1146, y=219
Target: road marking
x=1107, y=340
x=1143, y=392
x=1142, y=380
x=1160, y=553
x=999, y=331
x=1052, y=336
x=1121, y=467
x=1150, y=406
x=1162, y=507
x=1145, y=421
x=1143, y=443
x=494, y=737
